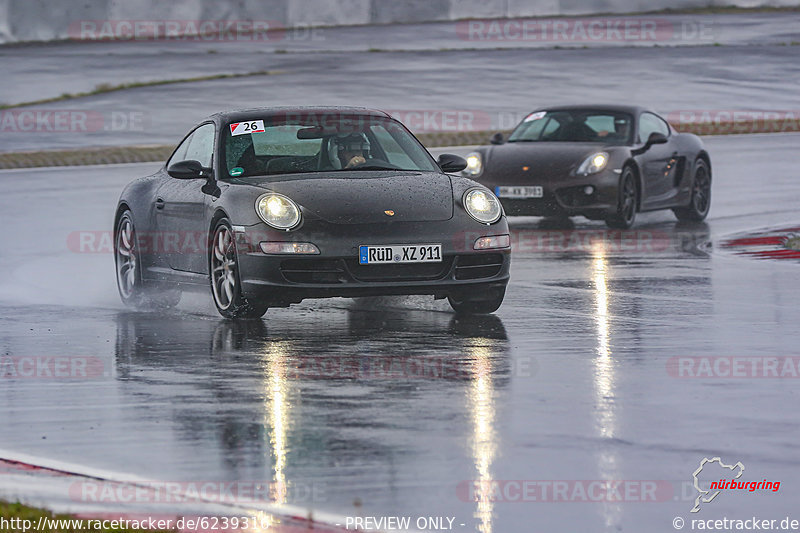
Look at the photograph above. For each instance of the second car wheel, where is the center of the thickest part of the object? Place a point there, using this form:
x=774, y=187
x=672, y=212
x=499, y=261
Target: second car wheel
x=700, y=201
x=226, y=287
x=628, y=200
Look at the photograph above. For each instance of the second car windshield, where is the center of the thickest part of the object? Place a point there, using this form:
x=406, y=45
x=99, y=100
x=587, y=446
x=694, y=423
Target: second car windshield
x=575, y=126
x=306, y=142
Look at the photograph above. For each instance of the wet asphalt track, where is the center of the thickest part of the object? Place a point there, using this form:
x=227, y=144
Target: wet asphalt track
x=568, y=381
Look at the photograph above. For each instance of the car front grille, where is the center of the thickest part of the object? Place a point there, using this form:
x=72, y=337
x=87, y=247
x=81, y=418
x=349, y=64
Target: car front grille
x=400, y=271
x=336, y=271
x=323, y=271
x=478, y=266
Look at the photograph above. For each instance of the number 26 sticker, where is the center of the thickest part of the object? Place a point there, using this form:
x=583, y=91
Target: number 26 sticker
x=253, y=126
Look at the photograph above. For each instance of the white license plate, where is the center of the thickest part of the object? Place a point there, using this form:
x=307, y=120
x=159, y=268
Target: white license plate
x=399, y=253
x=519, y=192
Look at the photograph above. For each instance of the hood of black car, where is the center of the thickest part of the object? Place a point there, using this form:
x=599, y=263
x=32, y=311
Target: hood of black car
x=544, y=160
x=367, y=196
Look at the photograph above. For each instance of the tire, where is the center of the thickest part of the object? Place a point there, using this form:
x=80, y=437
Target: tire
x=132, y=290
x=226, y=285
x=700, y=202
x=491, y=303
x=627, y=202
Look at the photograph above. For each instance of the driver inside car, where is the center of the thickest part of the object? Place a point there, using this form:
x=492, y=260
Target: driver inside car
x=349, y=151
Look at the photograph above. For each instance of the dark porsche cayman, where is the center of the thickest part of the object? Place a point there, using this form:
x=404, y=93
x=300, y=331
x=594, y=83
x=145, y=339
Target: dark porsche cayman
x=602, y=162
x=271, y=206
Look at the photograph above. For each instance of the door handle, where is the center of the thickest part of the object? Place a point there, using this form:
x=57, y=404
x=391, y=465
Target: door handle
x=159, y=203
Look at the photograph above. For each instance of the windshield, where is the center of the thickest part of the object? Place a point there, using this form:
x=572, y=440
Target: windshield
x=575, y=126
x=298, y=143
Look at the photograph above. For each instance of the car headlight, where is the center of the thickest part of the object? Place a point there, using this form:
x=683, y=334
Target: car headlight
x=482, y=205
x=594, y=163
x=474, y=164
x=278, y=211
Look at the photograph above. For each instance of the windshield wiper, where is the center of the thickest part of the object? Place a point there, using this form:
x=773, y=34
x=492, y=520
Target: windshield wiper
x=377, y=167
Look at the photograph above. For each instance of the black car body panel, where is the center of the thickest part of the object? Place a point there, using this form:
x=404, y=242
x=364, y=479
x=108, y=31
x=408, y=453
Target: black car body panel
x=663, y=171
x=340, y=211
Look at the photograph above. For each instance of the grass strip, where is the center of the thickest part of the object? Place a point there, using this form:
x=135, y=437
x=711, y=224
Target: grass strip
x=18, y=518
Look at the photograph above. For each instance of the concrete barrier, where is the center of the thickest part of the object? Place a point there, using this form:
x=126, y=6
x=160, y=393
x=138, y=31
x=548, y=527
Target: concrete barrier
x=44, y=20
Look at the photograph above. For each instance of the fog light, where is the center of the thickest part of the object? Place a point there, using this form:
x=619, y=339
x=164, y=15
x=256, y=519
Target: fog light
x=289, y=248
x=588, y=190
x=495, y=241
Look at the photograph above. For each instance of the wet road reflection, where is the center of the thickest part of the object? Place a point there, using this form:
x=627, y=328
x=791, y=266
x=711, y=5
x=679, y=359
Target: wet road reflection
x=604, y=381
x=289, y=399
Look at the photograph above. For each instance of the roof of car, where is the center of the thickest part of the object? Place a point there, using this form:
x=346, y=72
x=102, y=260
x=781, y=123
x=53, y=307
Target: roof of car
x=614, y=108
x=244, y=114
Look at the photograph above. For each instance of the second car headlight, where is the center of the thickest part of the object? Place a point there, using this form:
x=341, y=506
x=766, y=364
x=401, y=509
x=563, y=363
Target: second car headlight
x=482, y=205
x=594, y=163
x=278, y=211
x=474, y=164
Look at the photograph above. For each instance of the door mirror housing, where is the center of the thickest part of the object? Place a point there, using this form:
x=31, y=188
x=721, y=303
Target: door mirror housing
x=656, y=138
x=189, y=170
x=497, y=138
x=451, y=163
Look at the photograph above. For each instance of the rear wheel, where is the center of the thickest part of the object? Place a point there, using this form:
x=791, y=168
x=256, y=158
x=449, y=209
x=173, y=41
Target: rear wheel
x=127, y=260
x=488, y=302
x=225, y=282
x=627, y=203
x=700, y=203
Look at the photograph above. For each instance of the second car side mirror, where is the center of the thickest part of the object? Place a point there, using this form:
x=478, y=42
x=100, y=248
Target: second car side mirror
x=656, y=138
x=188, y=170
x=497, y=138
x=451, y=163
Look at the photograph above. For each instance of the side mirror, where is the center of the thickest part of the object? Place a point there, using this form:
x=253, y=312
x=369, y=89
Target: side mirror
x=497, y=138
x=451, y=163
x=189, y=170
x=656, y=138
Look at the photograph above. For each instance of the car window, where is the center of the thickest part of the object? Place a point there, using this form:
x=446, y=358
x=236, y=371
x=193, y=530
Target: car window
x=578, y=125
x=302, y=142
x=283, y=142
x=393, y=151
x=649, y=124
x=201, y=147
x=180, y=153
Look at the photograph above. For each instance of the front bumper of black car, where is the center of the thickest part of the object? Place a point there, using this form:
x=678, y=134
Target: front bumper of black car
x=336, y=272
x=568, y=196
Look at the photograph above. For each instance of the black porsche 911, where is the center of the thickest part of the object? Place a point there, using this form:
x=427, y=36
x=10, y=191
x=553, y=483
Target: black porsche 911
x=271, y=206
x=601, y=162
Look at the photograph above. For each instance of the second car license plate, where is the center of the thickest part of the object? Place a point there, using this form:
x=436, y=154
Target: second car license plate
x=519, y=192
x=399, y=253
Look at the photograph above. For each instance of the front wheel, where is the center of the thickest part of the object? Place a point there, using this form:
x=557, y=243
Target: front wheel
x=627, y=203
x=226, y=285
x=700, y=202
x=489, y=302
